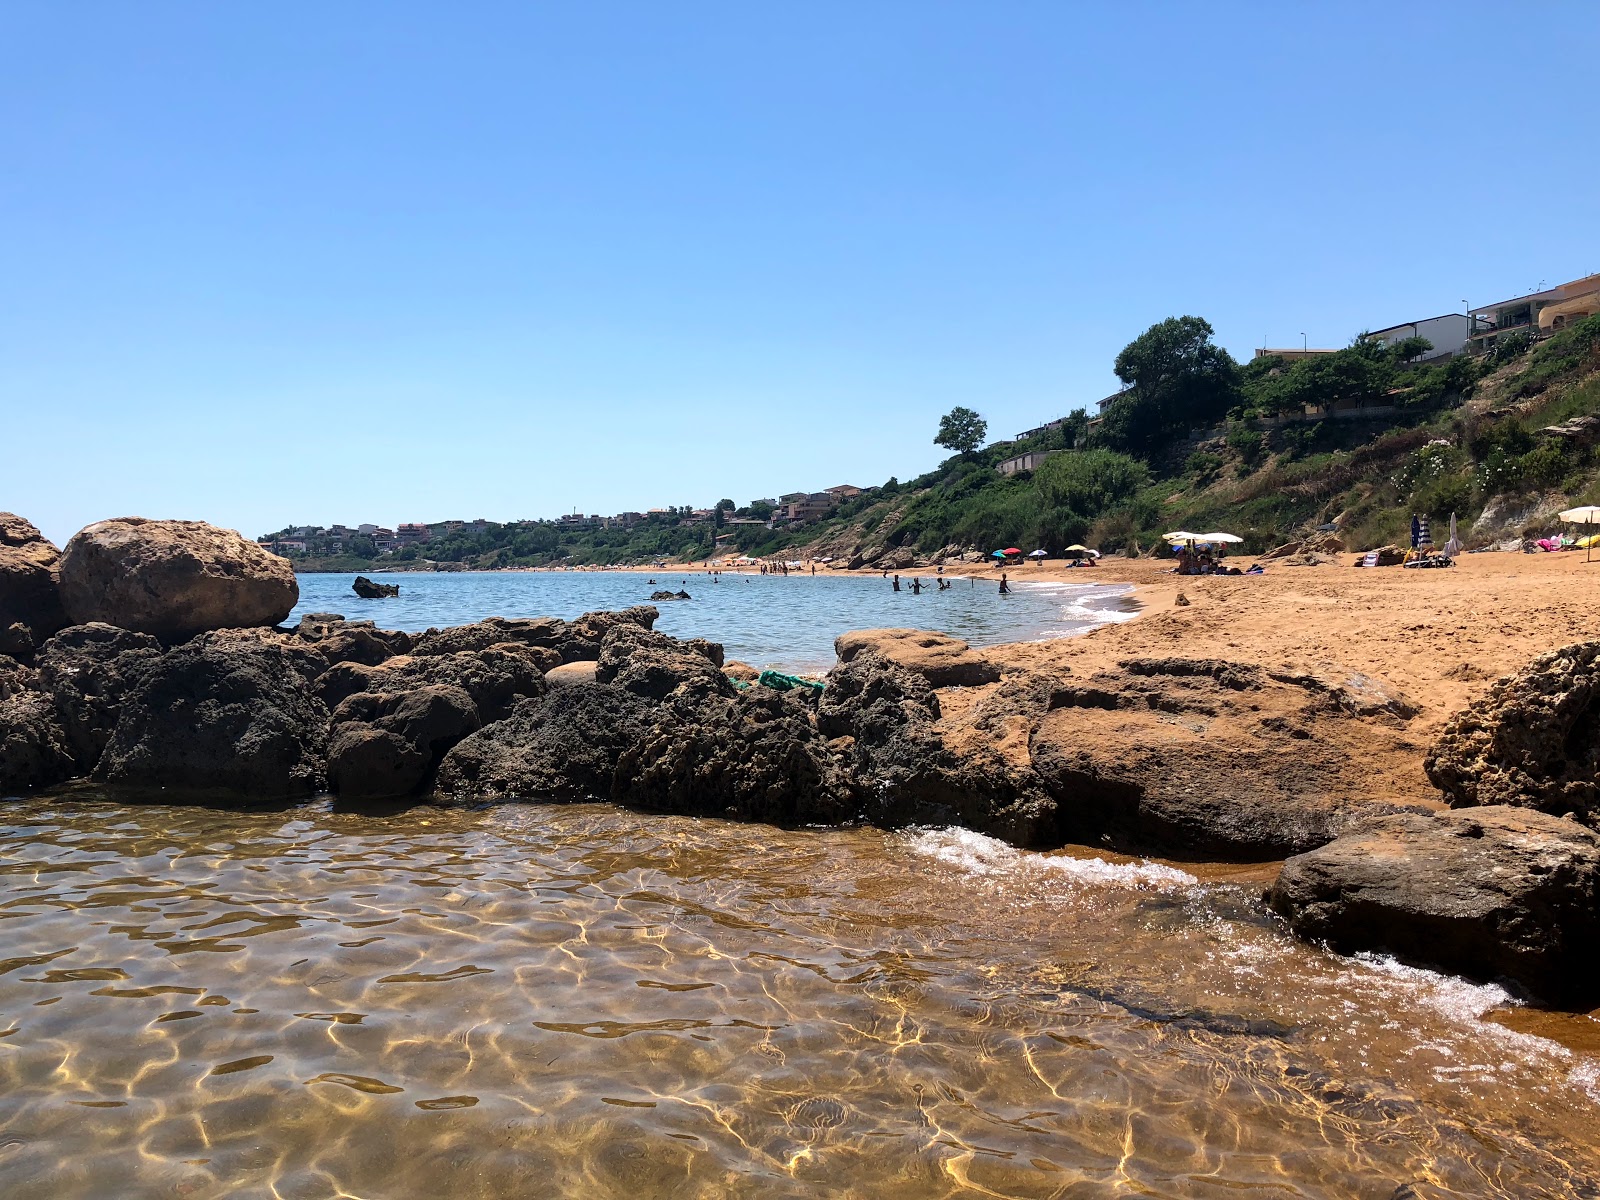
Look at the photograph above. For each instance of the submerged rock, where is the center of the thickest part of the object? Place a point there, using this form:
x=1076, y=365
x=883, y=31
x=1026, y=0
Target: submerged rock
x=227, y=714
x=368, y=590
x=1492, y=893
x=1533, y=740
x=30, y=597
x=173, y=579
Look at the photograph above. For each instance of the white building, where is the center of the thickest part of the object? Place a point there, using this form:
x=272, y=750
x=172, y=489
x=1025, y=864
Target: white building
x=1447, y=333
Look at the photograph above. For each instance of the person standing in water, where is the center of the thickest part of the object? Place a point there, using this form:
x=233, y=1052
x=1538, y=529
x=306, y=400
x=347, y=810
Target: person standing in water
x=916, y=587
x=1005, y=589
x=897, y=583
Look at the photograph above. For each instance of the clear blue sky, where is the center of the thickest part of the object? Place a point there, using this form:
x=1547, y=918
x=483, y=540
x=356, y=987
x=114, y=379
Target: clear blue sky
x=345, y=262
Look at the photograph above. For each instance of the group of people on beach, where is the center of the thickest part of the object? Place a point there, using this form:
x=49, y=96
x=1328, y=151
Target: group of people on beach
x=1203, y=562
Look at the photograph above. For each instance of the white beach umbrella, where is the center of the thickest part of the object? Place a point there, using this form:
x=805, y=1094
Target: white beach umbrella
x=1219, y=537
x=1586, y=515
x=1182, y=536
x=1453, y=546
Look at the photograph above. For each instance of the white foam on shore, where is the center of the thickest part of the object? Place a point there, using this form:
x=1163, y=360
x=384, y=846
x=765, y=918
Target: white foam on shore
x=978, y=854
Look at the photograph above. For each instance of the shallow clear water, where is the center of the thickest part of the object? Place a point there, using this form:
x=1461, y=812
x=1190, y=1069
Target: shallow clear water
x=767, y=620
x=580, y=1001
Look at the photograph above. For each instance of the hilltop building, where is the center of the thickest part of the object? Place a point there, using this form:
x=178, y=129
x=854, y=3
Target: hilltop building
x=1538, y=315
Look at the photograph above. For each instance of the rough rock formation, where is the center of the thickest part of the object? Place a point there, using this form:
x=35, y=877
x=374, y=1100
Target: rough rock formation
x=1492, y=893
x=1207, y=756
x=564, y=746
x=90, y=670
x=34, y=751
x=30, y=599
x=388, y=744
x=173, y=579
x=368, y=590
x=495, y=678
x=225, y=714
x=1533, y=740
x=942, y=660
x=655, y=665
x=339, y=640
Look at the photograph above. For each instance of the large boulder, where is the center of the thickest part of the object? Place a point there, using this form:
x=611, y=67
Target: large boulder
x=30, y=598
x=226, y=714
x=34, y=751
x=173, y=579
x=90, y=670
x=1492, y=893
x=942, y=660
x=389, y=744
x=1532, y=740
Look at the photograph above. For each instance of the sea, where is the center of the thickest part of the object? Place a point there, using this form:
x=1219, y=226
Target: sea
x=787, y=622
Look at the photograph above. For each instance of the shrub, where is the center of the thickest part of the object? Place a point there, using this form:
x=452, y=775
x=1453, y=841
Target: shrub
x=1088, y=481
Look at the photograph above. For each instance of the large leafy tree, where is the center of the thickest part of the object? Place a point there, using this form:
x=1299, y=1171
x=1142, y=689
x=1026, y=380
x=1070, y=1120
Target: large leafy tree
x=1176, y=378
x=961, y=430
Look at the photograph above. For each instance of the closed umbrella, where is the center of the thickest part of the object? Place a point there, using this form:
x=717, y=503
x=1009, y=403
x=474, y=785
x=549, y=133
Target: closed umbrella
x=1453, y=546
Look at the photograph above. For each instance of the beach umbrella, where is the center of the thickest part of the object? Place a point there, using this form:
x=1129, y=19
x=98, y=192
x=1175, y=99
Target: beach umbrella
x=1453, y=546
x=1181, y=536
x=1219, y=537
x=1011, y=550
x=1416, y=532
x=1588, y=514
x=998, y=554
x=1039, y=554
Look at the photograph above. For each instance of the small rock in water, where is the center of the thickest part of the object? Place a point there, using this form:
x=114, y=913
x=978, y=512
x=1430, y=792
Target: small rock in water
x=368, y=590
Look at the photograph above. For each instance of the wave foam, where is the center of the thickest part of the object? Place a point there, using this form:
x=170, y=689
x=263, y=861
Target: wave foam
x=978, y=854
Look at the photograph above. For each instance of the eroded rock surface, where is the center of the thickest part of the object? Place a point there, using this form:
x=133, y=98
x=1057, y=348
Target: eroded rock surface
x=173, y=579
x=1491, y=892
x=387, y=744
x=1533, y=740
x=230, y=714
x=30, y=597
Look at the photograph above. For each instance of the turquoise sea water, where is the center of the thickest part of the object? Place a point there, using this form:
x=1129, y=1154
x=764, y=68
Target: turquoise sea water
x=766, y=620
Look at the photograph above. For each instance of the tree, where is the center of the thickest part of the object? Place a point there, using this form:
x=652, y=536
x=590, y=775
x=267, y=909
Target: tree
x=727, y=505
x=961, y=430
x=1176, y=379
x=760, y=509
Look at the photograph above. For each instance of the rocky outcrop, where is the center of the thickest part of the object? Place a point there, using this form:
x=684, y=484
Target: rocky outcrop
x=495, y=678
x=942, y=660
x=173, y=579
x=90, y=670
x=339, y=640
x=34, y=751
x=30, y=598
x=1210, y=756
x=1492, y=893
x=1533, y=740
x=564, y=746
x=657, y=666
x=232, y=715
x=368, y=590
x=665, y=595
x=389, y=744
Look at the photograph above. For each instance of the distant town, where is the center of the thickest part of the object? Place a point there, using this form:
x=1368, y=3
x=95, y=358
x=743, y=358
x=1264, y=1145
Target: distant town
x=375, y=541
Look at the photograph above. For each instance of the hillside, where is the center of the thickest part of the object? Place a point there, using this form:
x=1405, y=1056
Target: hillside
x=1504, y=445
